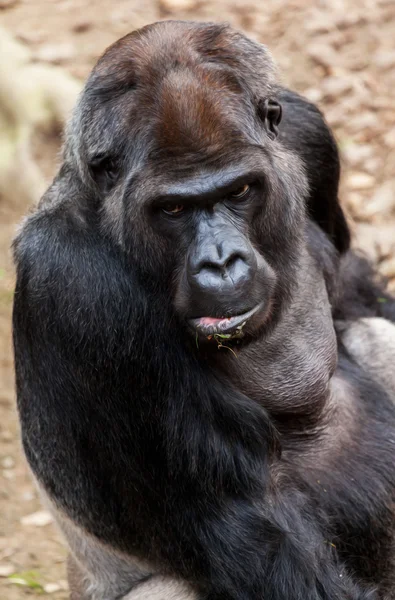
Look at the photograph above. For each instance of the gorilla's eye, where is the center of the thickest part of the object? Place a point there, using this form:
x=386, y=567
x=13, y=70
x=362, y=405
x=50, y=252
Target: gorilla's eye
x=241, y=193
x=173, y=209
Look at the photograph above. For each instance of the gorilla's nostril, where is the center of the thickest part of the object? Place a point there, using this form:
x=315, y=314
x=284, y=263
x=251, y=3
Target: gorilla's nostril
x=232, y=260
x=227, y=264
x=237, y=269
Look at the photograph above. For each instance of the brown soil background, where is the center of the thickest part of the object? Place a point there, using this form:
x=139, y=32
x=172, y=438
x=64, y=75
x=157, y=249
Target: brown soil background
x=339, y=53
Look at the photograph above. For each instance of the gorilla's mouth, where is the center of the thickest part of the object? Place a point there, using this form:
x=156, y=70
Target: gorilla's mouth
x=224, y=327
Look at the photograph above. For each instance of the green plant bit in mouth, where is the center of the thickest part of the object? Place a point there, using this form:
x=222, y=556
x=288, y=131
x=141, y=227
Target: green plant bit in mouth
x=218, y=336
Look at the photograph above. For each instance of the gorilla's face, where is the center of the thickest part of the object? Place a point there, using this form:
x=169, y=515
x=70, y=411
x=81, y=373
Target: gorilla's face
x=181, y=149
x=222, y=283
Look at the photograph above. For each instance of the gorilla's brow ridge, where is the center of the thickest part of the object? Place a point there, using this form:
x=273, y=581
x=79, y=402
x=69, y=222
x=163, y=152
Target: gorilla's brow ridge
x=212, y=185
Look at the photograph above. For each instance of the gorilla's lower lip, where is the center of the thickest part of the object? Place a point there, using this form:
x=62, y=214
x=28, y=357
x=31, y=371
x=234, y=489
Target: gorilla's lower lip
x=207, y=326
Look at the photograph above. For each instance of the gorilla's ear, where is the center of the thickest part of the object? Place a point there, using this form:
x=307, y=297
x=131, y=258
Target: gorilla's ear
x=305, y=131
x=270, y=113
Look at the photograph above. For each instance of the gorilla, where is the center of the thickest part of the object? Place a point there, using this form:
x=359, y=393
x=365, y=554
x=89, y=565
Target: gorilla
x=204, y=369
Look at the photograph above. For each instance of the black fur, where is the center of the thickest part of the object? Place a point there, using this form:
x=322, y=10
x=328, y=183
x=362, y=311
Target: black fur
x=211, y=469
x=306, y=132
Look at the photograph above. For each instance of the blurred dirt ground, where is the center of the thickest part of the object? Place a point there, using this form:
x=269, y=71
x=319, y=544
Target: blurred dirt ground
x=339, y=53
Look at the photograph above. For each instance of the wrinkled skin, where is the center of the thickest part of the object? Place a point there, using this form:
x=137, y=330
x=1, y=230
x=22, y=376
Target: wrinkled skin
x=191, y=414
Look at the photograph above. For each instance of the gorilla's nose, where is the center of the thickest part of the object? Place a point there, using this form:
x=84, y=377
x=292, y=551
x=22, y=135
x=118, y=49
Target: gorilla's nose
x=221, y=269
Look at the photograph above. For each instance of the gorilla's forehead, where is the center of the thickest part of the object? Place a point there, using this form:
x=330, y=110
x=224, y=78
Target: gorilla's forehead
x=197, y=113
x=184, y=114
x=177, y=88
